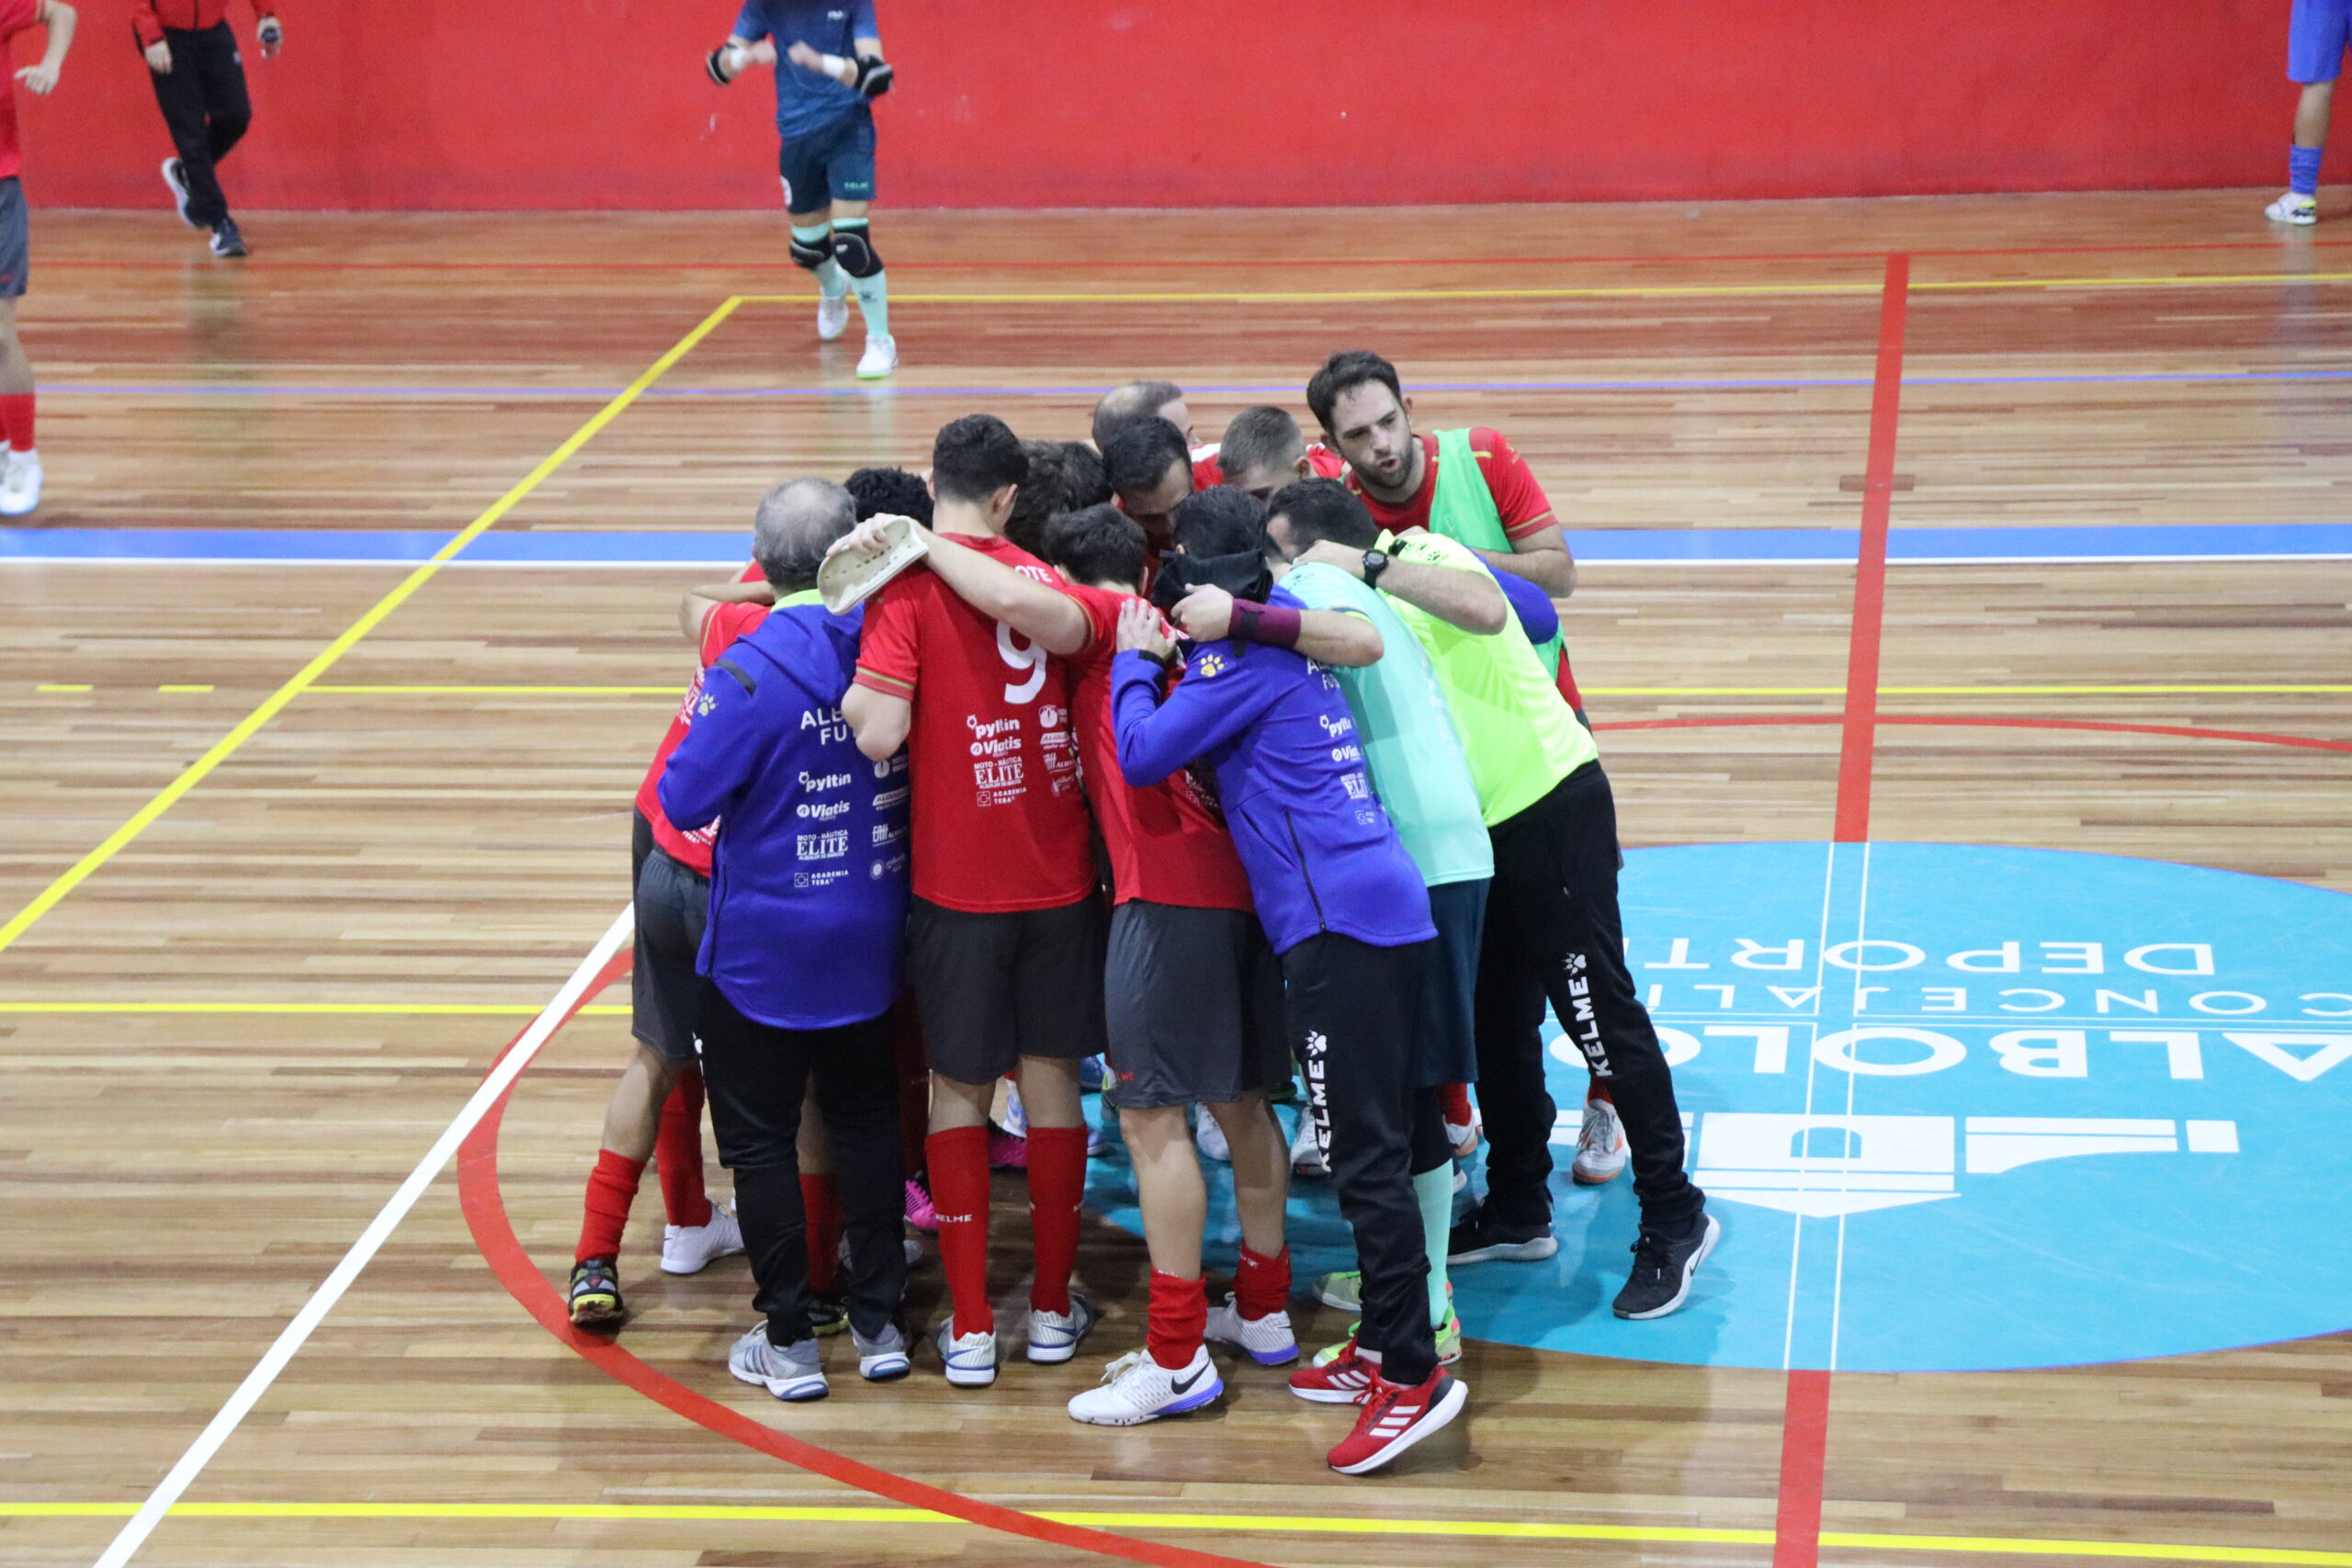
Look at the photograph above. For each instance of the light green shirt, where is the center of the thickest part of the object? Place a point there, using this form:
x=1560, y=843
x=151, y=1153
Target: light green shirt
x=1409, y=741
x=1516, y=727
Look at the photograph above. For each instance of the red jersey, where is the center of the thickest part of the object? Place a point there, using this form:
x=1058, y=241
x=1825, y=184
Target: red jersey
x=15, y=16
x=719, y=629
x=1519, y=500
x=1209, y=468
x=999, y=815
x=1167, y=844
x=150, y=18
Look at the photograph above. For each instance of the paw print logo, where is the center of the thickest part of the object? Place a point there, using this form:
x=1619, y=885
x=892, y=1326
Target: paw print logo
x=1576, y=962
x=703, y=708
x=1208, y=666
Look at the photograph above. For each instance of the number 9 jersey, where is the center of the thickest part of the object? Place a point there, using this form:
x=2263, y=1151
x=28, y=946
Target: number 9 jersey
x=999, y=818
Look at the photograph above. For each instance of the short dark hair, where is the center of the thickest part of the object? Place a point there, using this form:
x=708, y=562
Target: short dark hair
x=975, y=457
x=1324, y=509
x=1088, y=485
x=1221, y=520
x=1044, y=493
x=1343, y=372
x=894, y=491
x=1130, y=402
x=1139, y=454
x=1097, y=544
x=1259, y=438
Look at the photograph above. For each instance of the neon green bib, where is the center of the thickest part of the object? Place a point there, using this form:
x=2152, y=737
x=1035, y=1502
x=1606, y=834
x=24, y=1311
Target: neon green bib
x=1463, y=509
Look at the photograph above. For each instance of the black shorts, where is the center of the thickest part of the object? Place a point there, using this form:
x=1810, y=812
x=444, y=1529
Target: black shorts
x=833, y=162
x=672, y=903
x=992, y=989
x=1446, y=1048
x=1195, y=1000
x=16, y=239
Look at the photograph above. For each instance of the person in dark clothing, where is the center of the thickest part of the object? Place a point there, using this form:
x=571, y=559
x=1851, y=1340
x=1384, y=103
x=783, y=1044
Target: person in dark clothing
x=200, y=86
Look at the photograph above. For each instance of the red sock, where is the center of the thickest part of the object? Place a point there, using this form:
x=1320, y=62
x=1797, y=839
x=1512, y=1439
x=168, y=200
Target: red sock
x=1261, y=1284
x=1454, y=1098
x=1179, y=1314
x=820, y=1198
x=1596, y=1089
x=959, y=1189
x=612, y=1188
x=677, y=1152
x=16, y=419
x=1056, y=1185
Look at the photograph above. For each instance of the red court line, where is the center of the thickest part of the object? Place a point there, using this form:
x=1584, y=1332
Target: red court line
x=1804, y=1441
x=1853, y=821
x=493, y=1232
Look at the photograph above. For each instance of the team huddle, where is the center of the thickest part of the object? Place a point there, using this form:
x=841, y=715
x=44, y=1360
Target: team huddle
x=1209, y=763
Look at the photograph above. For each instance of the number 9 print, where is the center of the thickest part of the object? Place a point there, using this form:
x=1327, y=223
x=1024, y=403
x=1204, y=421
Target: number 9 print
x=1020, y=653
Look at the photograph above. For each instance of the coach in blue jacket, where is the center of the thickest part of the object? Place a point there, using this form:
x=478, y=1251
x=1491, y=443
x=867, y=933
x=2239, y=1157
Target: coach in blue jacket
x=807, y=901
x=1345, y=909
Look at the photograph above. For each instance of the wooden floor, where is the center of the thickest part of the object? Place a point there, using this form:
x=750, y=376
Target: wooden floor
x=175, y=1184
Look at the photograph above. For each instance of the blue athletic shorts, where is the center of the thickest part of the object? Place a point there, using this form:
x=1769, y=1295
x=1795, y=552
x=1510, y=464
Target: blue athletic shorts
x=833, y=162
x=16, y=257
x=2316, y=36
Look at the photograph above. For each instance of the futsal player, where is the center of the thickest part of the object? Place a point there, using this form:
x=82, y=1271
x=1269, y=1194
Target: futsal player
x=1005, y=941
x=829, y=71
x=200, y=78
x=1414, y=754
x=1150, y=470
x=655, y=1113
x=1344, y=907
x=1131, y=400
x=1263, y=449
x=1553, y=929
x=2317, y=32
x=800, y=956
x=1472, y=487
x=20, y=479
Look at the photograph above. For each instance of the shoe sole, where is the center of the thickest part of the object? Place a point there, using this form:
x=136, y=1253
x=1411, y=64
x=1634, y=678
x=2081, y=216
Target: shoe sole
x=1508, y=1252
x=795, y=1391
x=595, y=1313
x=962, y=1377
x=1327, y=1395
x=1184, y=1406
x=1707, y=1246
x=1577, y=1174
x=1279, y=1358
x=683, y=1267
x=1049, y=1355
x=884, y=1368
x=1440, y=1416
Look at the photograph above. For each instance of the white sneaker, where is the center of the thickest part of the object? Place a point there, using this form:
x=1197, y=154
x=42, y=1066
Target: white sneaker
x=1209, y=1136
x=1268, y=1340
x=1136, y=1389
x=690, y=1249
x=881, y=358
x=21, y=484
x=882, y=1360
x=2293, y=208
x=832, y=315
x=1054, y=1335
x=970, y=1358
x=793, y=1373
x=1601, y=1146
x=1306, y=1155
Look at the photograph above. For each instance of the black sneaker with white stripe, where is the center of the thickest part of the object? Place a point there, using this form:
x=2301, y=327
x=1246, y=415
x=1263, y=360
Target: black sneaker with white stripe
x=176, y=181
x=1664, y=1264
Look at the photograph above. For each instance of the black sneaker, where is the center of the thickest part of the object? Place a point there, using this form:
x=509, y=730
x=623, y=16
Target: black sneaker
x=226, y=241
x=596, y=1294
x=1663, y=1266
x=1482, y=1238
x=826, y=1314
x=176, y=181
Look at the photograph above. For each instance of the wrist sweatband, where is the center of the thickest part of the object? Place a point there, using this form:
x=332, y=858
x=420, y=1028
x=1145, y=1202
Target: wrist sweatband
x=1269, y=626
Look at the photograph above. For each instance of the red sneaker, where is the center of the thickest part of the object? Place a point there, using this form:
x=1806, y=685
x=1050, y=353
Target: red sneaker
x=1345, y=1379
x=1395, y=1417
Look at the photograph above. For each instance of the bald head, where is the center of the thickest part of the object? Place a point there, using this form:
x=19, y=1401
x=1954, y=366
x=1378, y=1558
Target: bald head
x=1139, y=400
x=797, y=522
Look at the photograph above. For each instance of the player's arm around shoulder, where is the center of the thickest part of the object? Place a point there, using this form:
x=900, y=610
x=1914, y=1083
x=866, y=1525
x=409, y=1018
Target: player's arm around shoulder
x=1430, y=574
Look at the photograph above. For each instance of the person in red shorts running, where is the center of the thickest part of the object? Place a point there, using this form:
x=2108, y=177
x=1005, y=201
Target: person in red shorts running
x=1005, y=936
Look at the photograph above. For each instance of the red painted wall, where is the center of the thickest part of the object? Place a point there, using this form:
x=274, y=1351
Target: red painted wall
x=422, y=104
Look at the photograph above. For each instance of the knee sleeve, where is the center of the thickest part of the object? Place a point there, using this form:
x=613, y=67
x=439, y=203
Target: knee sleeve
x=854, y=249
x=812, y=252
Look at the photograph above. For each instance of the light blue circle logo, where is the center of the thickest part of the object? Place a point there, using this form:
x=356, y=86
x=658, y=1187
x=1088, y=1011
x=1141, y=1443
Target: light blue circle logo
x=1958, y=1109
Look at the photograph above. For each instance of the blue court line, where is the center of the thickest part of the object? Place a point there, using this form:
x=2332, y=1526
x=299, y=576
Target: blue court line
x=723, y=550
x=1722, y=384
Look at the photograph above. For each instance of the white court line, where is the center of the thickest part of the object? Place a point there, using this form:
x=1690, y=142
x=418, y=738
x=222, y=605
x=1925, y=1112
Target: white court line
x=1820, y=980
x=1853, y=1079
x=142, y=1525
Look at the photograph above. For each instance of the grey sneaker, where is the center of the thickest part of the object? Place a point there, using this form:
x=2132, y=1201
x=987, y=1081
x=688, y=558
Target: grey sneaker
x=791, y=1373
x=881, y=1359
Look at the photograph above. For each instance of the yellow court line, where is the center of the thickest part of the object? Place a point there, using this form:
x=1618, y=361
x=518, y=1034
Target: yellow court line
x=333, y=1010
x=184, y=688
x=53, y=686
x=1628, y=291
x=197, y=772
x=2166, y=1551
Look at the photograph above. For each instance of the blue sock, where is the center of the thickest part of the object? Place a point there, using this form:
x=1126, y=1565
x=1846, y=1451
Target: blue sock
x=2303, y=170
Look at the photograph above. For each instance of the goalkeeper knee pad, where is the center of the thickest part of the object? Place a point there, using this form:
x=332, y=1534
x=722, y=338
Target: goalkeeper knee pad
x=813, y=251
x=854, y=250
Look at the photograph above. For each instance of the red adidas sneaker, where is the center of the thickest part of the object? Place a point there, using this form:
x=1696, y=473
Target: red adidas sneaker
x=1345, y=1379
x=1395, y=1417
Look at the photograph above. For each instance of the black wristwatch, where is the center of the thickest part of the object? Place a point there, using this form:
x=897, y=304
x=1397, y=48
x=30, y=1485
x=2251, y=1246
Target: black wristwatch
x=1374, y=563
